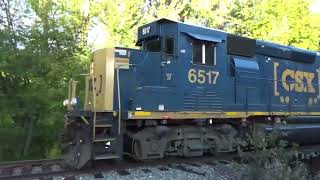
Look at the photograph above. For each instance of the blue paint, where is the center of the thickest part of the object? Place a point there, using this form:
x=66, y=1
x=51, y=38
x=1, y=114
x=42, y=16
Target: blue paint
x=241, y=63
x=243, y=84
x=204, y=38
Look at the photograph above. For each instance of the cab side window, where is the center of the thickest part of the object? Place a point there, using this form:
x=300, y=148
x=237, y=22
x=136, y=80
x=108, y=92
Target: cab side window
x=203, y=52
x=197, y=52
x=169, y=45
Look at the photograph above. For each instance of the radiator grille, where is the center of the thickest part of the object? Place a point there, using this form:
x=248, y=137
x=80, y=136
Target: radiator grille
x=202, y=100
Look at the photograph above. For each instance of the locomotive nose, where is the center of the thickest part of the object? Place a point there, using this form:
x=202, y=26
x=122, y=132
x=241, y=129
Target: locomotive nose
x=100, y=82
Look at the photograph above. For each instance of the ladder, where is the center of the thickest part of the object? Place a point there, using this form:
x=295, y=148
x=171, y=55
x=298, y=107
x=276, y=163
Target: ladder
x=106, y=142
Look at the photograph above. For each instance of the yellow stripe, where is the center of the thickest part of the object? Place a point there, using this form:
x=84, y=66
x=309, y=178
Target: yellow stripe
x=259, y=113
x=231, y=113
x=142, y=113
x=314, y=113
x=122, y=60
x=194, y=115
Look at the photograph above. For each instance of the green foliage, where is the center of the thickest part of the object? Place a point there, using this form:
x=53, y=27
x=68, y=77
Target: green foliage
x=271, y=157
x=34, y=70
x=11, y=143
x=278, y=21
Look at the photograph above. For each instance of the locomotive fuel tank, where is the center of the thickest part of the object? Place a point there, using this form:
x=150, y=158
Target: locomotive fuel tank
x=303, y=130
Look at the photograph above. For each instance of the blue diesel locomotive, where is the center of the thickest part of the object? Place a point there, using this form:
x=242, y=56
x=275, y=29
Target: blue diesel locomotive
x=189, y=91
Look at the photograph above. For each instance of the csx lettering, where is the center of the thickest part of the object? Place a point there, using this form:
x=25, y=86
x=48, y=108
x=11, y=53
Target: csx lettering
x=297, y=79
x=201, y=76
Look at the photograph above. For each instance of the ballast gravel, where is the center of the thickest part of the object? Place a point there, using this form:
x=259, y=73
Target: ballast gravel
x=174, y=171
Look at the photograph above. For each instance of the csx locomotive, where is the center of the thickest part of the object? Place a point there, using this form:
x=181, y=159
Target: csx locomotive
x=189, y=91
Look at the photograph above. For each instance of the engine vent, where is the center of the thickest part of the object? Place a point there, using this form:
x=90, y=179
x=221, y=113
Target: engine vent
x=241, y=46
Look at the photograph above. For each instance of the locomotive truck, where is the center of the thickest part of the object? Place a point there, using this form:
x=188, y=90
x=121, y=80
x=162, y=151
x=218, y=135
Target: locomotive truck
x=189, y=91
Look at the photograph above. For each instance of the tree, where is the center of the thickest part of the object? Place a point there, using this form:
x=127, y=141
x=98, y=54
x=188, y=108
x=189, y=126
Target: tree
x=281, y=21
x=37, y=60
x=120, y=19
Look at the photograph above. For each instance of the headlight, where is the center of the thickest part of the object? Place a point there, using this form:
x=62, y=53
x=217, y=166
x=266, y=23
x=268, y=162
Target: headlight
x=73, y=102
x=66, y=102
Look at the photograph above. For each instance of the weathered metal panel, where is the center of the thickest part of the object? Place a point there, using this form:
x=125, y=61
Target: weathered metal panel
x=102, y=72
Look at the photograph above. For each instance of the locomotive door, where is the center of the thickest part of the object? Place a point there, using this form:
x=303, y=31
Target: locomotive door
x=247, y=82
x=168, y=63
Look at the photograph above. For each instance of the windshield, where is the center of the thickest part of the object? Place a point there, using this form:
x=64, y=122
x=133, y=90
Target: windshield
x=153, y=45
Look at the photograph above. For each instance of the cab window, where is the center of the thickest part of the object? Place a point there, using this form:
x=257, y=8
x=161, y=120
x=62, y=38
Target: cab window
x=169, y=45
x=203, y=52
x=153, y=45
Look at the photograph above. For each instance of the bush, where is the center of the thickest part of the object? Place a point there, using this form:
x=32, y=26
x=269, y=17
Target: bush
x=271, y=158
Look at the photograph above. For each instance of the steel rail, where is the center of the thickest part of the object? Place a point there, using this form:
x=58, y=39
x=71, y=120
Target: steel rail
x=25, y=168
x=29, y=162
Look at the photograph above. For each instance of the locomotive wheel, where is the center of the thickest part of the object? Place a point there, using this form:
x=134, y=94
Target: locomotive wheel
x=78, y=149
x=136, y=149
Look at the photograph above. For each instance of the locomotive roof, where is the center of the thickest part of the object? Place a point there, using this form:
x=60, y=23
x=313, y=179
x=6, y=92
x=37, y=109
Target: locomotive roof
x=262, y=47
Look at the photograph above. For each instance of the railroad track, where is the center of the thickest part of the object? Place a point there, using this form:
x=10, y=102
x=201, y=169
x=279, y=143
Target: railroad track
x=29, y=168
x=47, y=169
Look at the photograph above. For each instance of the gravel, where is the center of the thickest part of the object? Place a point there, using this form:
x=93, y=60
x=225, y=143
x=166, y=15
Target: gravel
x=173, y=171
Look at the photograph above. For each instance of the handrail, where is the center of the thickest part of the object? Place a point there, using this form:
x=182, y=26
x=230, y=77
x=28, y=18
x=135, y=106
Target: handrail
x=119, y=101
x=119, y=95
x=94, y=107
x=69, y=94
x=86, y=96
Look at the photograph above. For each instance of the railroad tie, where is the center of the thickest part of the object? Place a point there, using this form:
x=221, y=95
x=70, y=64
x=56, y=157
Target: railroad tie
x=146, y=170
x=224, y=162
x=123, y=172
x=212, y=163
x=182, y=168
x=163, y=169
x=193, y=164
x=36, y=169
x=98, y=175
x=17, y=171
x=69, y=178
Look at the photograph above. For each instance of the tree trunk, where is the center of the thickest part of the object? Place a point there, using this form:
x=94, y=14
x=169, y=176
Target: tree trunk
x=28, y=137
